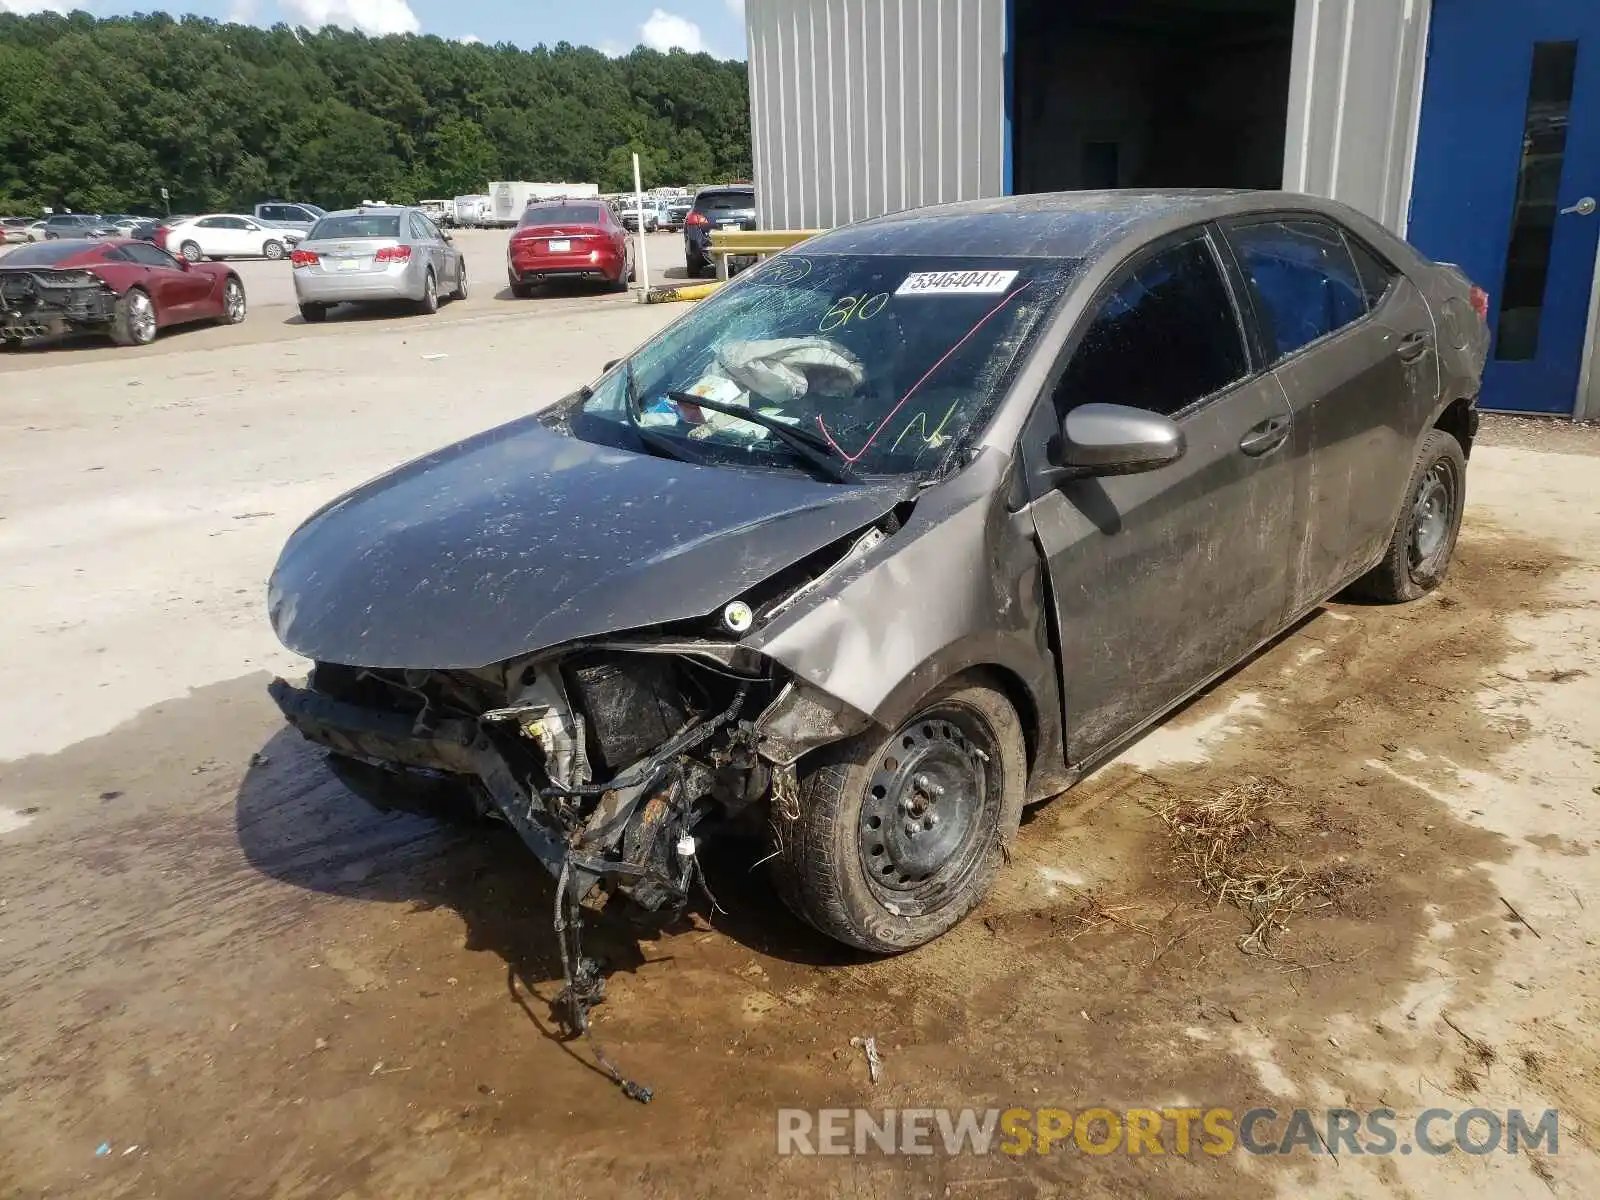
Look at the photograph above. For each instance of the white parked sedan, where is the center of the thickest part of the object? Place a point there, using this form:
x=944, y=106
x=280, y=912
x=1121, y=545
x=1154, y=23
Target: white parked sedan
x=223, y=235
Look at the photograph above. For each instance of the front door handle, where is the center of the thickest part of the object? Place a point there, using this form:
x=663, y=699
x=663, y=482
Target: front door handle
x=1414, y=345
x=1265, y=437
x=1583, y=208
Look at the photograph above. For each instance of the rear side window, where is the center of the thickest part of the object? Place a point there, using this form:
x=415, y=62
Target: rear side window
x=1377, y=275
x=1166, y=338
x=1303, y=280
x=561, y=214
x=358, y=226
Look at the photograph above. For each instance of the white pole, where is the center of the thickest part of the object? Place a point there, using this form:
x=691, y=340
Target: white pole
x=638, y=210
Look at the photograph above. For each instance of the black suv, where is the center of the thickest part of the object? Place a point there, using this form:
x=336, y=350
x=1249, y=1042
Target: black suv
x=732, y=207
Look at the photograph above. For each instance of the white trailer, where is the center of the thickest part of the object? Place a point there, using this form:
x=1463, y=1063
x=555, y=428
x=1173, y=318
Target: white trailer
x=472, y=211
x=508, y=197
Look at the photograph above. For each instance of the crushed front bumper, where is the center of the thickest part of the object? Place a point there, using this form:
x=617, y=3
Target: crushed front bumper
x=392, y=739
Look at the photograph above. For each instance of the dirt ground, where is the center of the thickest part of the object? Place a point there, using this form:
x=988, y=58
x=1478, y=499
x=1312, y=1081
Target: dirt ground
x=238, y=981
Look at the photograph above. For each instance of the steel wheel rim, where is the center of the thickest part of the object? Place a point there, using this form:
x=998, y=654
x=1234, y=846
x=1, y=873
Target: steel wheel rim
x=141, y=317
x=1432, y=512
x=929, y=808
x=233, y=300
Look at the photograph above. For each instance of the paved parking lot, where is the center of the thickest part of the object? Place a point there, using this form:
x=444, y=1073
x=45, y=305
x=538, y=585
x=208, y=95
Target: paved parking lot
x=274, y=316
x=224, y=976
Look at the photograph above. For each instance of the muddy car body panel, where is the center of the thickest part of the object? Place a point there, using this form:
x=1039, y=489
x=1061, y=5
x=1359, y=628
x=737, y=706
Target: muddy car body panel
x=1064, y=459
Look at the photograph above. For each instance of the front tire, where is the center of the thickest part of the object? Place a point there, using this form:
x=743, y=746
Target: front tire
x=900, y=837
x=1430, y=520
x=191, y=252
x=133, y=321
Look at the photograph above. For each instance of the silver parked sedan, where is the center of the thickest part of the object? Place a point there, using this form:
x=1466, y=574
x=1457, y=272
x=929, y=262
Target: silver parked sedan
x=376, y=254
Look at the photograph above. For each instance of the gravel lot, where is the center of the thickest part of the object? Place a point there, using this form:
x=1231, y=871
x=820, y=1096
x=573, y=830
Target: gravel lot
x=241, y=982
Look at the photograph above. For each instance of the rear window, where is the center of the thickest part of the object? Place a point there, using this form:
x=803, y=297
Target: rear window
x=560, y=214
x=359, y=226
x=725, y=201
x=46, y=254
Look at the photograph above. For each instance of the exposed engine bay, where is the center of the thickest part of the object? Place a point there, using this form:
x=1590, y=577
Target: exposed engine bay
x=37, y=302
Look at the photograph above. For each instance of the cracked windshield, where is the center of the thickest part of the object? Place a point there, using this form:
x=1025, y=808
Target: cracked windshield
x=857, y=364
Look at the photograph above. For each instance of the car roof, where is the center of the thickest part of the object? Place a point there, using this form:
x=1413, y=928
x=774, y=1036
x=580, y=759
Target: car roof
x=371, y=210
x=1058, y=225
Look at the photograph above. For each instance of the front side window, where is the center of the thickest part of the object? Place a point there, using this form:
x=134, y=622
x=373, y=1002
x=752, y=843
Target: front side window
x=895, y=362
x=1166, y=338
x=1303, y=280
x=150, y=256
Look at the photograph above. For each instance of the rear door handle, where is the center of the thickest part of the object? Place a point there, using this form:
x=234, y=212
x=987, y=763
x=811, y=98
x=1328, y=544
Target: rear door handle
x=1265, y=437
x=1414, y=345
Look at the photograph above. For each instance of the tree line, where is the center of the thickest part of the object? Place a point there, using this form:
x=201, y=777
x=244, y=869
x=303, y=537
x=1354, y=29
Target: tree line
x=100, y=115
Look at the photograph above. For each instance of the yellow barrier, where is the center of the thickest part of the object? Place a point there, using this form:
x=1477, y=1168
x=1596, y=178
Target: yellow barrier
x=754, y=243
x=671, y=295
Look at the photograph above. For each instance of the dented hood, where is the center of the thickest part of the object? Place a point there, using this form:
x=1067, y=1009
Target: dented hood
x=522, y=538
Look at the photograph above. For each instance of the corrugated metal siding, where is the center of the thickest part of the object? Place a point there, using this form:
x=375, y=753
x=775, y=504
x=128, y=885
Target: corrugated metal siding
x=861, y=107
x=1355, y=96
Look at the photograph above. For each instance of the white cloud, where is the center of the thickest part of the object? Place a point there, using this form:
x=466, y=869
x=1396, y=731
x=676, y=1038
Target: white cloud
x=26, y=8
x=611, y=48
x=242, y=12
x=666, y=31
x=376, y=17
x=736, y=7
x=471, y=39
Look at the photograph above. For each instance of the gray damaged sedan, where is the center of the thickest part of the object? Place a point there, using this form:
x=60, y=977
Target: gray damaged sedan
x=903, y=530
x=376, y=255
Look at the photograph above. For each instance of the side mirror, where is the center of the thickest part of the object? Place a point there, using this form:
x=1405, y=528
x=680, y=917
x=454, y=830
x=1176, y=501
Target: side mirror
x=1113, y=439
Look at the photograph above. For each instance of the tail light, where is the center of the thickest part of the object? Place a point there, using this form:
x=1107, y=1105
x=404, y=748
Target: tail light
x=1480, y=303
x=393, y=254
x=303, y=258
x=697, y=218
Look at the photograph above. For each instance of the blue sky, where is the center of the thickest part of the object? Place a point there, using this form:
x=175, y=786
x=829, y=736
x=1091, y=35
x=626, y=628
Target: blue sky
x=614, y=26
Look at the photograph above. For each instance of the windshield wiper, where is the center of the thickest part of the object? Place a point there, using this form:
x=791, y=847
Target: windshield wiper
x=656, y=441
x=814, y=448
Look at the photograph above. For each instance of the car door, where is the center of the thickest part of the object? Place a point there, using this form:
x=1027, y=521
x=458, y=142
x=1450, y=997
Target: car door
x=1162, y=580
x=445, y=255
x=1358, y=369
x=182, y=294
x=428, y=246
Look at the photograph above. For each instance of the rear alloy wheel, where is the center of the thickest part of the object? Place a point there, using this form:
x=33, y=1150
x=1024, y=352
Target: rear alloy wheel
x=899, y=838
x=429, y=304
x=1425, y=535
x=133, y=322
x=273, y=250
x=233, y=302
x=313, y=314
x=191, y=251
x=461, y=281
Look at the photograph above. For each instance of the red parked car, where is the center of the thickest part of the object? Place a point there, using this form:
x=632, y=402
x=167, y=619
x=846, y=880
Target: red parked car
x=126, y=289
x=568, y=239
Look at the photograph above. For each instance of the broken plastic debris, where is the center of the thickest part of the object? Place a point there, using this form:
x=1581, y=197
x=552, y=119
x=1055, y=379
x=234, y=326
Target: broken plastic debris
x=103, y=1149
x=433, y=357
x=874, y=1059
x=130, y=1150
x=686, y=846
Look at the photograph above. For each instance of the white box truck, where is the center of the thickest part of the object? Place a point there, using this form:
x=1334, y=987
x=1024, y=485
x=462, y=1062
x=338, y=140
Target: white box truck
x=472, y=211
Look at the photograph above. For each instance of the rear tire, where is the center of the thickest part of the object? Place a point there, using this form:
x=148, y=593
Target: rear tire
x=133, y=321
x=191, y=252
x=1425, y=535
x=273, y=250
x=900, y=837
x=695, y=262
x=233, y=301
x=313, y=314
x=429, y=304
x=522, y=291
x=460, y=292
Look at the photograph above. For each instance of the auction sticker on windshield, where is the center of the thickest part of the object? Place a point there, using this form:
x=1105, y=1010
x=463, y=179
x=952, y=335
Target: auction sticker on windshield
x=956, y=283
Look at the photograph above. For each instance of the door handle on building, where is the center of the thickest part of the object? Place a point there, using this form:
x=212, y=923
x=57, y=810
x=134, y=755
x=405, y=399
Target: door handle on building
x=1583, y=208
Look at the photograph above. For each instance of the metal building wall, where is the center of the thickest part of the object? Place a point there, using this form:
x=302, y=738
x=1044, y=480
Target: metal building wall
x=861, y=107
x=1355, y=100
